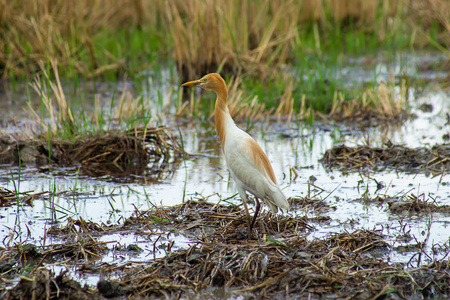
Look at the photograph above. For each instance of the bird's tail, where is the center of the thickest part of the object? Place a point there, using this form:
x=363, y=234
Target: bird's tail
x=276, y=200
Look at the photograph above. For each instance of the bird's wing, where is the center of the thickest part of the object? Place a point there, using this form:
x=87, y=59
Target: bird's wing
x=252, y=170
x=248, y=163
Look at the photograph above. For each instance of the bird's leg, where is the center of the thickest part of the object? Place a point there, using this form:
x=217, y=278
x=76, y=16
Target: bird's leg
x=258, y=207
x=249, y=228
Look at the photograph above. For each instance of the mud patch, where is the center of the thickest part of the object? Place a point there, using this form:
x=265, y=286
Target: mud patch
x=293, y=266
x=211, y=222
x=43, y=284
x=416, y=204
x=280, y=262
x=139, y=151
x=435, y=160
x=410, y=204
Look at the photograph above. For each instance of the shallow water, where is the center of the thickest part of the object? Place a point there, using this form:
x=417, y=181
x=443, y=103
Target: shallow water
x=288, y=145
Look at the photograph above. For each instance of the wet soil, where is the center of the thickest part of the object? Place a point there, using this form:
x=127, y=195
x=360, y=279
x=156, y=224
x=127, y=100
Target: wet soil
x=434, y=159
x=279, y=261
x=140, y=151
x=44, y=284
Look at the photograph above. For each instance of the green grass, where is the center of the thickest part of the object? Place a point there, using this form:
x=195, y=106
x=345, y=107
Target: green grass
x=112, y=40
x=317, y=63
x=315, y=77
x=133, y=50
x=111, y=54
x=91, y=114
x=131, y=53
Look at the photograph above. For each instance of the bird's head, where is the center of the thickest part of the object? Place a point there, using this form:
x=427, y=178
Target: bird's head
x=211, y=82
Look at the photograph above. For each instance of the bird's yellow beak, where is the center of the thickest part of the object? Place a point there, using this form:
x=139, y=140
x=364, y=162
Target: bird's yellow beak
x=194, y=83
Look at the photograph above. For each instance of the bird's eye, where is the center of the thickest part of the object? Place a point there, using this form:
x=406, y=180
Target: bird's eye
x=204, y=80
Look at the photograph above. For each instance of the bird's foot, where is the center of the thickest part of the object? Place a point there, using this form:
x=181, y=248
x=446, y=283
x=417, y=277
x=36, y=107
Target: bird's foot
x=252, y=234
x=242, y=234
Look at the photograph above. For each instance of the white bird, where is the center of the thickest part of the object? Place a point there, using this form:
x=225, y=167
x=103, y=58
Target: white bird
x=248, y=164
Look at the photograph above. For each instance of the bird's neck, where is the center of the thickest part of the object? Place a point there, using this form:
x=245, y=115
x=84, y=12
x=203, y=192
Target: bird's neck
x=222, y=114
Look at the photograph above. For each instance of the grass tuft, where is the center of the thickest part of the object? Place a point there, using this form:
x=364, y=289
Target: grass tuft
x=385, y=102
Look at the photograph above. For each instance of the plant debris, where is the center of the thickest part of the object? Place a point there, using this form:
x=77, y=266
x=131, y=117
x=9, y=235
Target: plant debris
x=76, y=227
x=43, y=284
x=360, y=240
x=402, y=158
x=146, y=151
x=281, y=262
x=408, y=203
x=9, y=198
x=415, y=204
x=295, y=266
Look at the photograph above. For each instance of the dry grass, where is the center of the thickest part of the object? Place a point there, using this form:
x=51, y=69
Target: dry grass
x=242, y=106
x=281, y=263
x=423, y=15
x=235, y=35
x=385, y=102
x=434, y=159
x=60, y=114
x=10, y=198
x=415, y=204
x=57, y=119
x=257, y=38
x=252, y=36
x=40, y=31
x=45, y=284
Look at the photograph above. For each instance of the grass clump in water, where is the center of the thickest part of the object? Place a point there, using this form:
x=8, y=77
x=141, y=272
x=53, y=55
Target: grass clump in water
x=401, y=158
x=123, y=144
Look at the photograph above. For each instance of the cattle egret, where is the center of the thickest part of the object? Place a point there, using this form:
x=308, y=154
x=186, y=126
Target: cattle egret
x=248, y=164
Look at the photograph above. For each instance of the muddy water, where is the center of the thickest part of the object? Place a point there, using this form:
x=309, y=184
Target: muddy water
x=289, y=146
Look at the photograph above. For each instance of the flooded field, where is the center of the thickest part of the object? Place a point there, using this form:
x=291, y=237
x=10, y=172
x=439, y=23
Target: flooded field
x=112, y=226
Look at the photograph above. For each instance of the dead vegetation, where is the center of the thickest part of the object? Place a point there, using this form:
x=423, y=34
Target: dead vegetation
x=219, y=223
x=207, y=36
x=10, y=198
x=359, y=241
x=281, y=262
x=141, y=151
x=44, y=284
x=313, y=276
x=254, y=37
x=77, y=250
x=380, y=104
x=386, y=102
x=76, y=227
x=42, y=31
x=415, y=204
x=311, y=205
x=430, y=11
x=409, y=204
x=64, y=140
x=434, y=159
